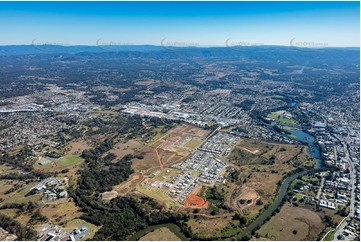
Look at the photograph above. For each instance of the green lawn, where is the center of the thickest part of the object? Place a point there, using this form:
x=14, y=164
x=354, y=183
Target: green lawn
x=280, y=118
x=275, y=115
x=287, y=121
x=69, y=160
x=329, y=236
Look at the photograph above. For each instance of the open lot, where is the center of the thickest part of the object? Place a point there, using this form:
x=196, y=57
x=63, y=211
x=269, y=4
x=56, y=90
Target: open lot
x=65, y=162
x=214, y=227
x=18, y=195
x=162, y=234
x=157, y=194
x=176, y=140
x=292, y=223
x=64, y=211
x=193, y=143
x=122, y=149
x=76, y=223
x=261, y=165
x=77, y=147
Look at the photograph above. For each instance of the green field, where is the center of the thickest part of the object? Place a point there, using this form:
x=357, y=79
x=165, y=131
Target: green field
x=19, y=195
x=275, y=115
x=287, y=121
x=63, y=162
x=69, y=160
x=279, y=117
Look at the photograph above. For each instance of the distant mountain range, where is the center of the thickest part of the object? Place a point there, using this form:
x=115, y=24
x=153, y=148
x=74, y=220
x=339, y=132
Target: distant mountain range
x=49, y=49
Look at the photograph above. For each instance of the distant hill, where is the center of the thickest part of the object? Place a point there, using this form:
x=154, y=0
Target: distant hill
x=38, y=49
x=174, y=51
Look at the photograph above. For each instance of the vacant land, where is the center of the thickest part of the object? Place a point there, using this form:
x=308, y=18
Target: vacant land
x=61, y=212
x=168, y=148
x=214, y=228
x=193, y=143
x=18, y=195
x=66, y=162
x=261, y=165
x=77, y=147
x=292, y=223
x=122, y=148
x=73, y=224
x=162, y=234
x=158, y=195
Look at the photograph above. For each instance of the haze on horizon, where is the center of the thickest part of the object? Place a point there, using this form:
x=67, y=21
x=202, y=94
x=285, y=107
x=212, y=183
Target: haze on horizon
x=188, y=23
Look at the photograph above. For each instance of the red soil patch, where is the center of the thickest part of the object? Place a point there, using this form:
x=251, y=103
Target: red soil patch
x=195, y=201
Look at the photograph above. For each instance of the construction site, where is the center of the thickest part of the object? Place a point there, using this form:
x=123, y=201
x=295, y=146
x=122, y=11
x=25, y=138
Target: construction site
x=186, y=165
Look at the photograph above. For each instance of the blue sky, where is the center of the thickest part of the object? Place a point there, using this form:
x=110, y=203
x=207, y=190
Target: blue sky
x=196, y=23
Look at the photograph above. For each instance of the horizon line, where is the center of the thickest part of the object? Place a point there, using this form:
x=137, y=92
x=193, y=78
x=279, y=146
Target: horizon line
x=186, y=46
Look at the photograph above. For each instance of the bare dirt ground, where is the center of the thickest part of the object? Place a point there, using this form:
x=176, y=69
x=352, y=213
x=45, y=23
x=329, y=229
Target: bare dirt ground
x=194, y=201
x=247, y=194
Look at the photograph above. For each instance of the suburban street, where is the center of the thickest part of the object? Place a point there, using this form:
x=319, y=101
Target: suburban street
x=351, y=214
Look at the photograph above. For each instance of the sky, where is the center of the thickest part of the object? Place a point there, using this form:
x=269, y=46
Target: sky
x=181, y=23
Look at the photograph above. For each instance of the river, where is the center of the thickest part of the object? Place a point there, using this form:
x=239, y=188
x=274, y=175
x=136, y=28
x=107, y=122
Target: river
x=313, y=149
x=297, y=134
x=282, y=191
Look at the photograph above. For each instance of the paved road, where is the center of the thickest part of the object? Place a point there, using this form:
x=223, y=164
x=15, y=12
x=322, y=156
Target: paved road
x=351, y=214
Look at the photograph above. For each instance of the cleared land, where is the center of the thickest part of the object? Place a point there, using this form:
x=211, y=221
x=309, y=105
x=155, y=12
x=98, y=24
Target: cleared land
x=194, y=201
x=77, y=147
x=193, y=143
x=122, y=149
x=292, y=223
x=162, y=234
x=61, y=212
x=68, y=161
x=215, y=227
x=173, y=142
x=261, y=165
x=157, y=194
x=73, y=224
